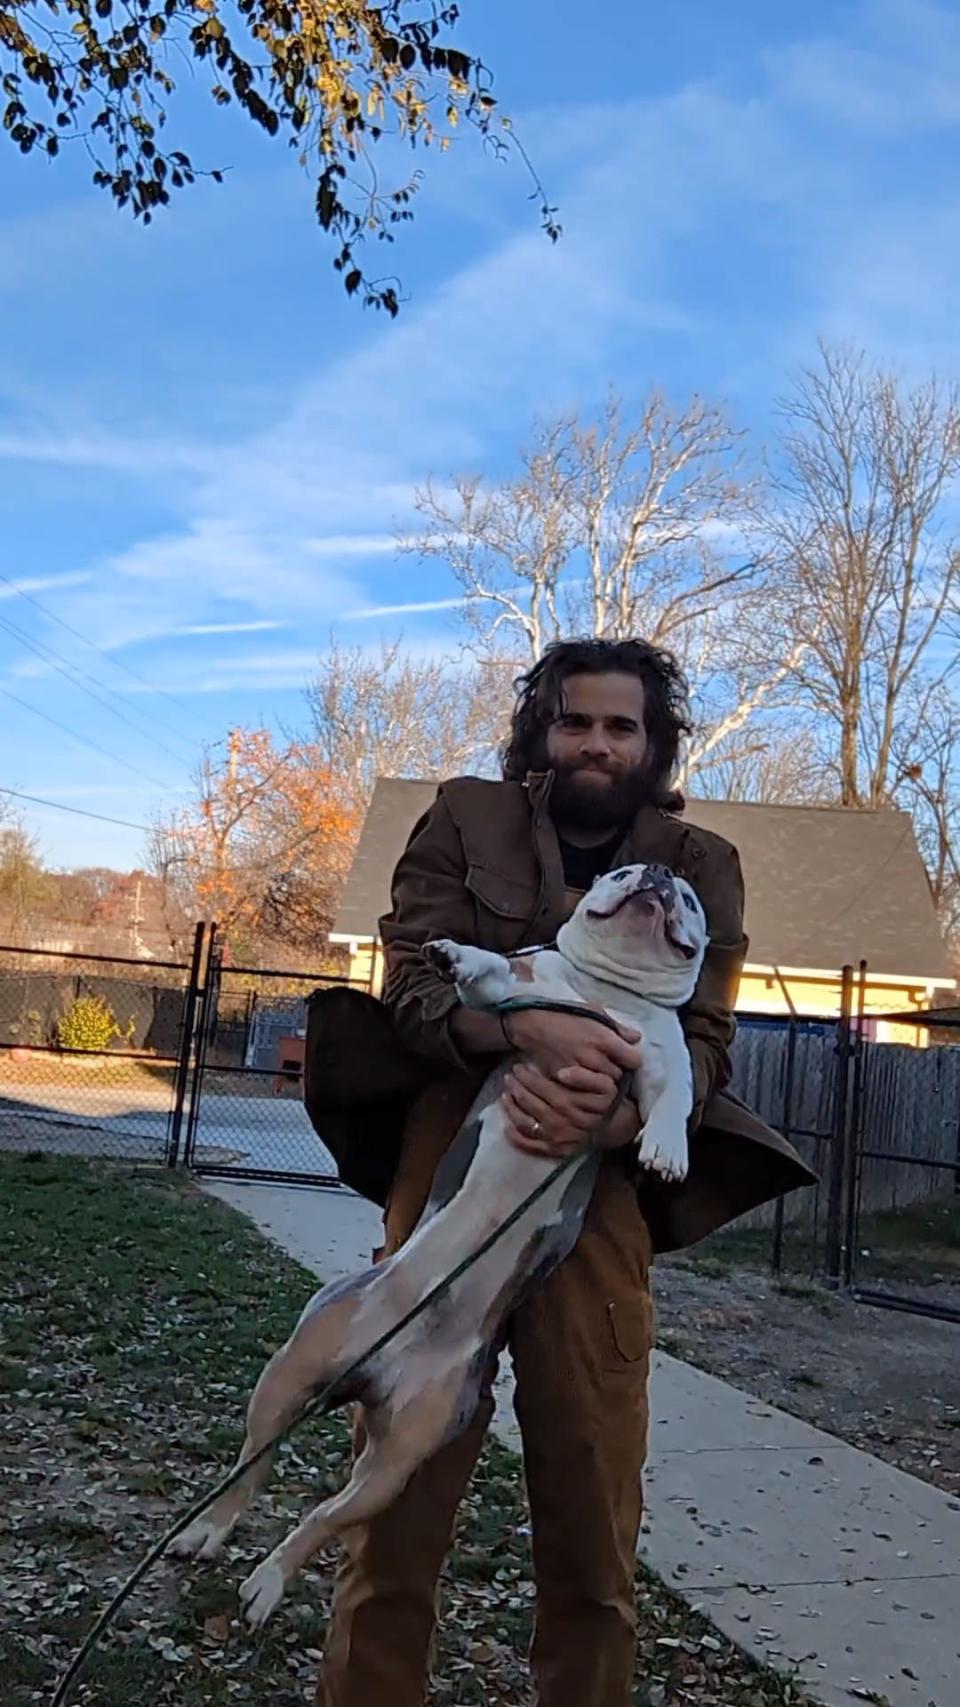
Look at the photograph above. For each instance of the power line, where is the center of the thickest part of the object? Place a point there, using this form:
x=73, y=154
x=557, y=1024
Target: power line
x=74, y=735
x=57, y=662
x=117, y=663
x=76, y=811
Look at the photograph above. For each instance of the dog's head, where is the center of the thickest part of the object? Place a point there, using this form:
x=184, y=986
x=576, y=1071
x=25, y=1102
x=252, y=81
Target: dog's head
x=642, y=928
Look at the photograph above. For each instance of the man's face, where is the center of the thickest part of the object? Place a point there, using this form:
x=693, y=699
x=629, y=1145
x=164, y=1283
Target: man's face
x=598, y=746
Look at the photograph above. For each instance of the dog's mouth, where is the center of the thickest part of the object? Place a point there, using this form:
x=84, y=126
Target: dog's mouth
x=643, y=899
x=648, y=902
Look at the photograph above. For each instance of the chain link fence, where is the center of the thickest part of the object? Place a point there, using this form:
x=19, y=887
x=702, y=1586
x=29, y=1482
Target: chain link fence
x=91, y=1052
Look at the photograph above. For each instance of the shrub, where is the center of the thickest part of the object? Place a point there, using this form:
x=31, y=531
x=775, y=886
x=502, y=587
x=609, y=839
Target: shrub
x=89, y=1023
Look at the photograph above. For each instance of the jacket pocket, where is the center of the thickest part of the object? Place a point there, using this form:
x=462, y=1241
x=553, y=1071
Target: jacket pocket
x=500, y=895
x=629, y=1334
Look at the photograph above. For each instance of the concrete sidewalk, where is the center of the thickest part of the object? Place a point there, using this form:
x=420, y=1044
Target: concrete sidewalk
x=808, y=1552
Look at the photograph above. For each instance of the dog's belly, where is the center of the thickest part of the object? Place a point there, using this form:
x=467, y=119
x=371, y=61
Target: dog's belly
x=459, y=1327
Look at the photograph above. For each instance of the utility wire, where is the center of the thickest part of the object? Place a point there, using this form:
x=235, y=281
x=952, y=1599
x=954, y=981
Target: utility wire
x=117, y=663
x=76, y=811
x=74, y=735
x=57, y=662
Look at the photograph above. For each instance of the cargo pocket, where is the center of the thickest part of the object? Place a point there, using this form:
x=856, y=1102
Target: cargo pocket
x=629, y=1335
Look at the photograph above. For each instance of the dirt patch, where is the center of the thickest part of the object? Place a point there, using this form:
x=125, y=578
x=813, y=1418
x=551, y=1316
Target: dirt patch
x=884, y=1381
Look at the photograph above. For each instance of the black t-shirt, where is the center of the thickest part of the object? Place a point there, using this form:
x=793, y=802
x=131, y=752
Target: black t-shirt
x=581, y=866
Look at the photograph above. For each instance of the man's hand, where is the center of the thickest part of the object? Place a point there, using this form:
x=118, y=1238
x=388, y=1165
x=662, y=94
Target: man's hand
x=547, y=1117
x=567, y=1082
x=561, y=1042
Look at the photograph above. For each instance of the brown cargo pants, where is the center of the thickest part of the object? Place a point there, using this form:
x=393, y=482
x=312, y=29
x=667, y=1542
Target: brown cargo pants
x=580, y=1346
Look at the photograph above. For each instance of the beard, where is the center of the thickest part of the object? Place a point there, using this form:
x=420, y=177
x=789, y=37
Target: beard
x=598, y=801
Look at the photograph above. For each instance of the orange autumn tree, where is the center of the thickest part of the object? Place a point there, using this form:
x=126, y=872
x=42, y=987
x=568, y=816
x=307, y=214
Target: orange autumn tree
x=264, y=845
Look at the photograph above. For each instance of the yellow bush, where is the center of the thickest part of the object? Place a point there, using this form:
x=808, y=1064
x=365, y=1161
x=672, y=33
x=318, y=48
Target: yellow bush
x=89, y=1023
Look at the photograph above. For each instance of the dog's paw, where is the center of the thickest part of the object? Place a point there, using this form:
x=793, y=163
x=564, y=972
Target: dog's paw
x=203, y=1539
x=446, y=958
x=483, y=980
x=262, y=1592
x=666, y=1156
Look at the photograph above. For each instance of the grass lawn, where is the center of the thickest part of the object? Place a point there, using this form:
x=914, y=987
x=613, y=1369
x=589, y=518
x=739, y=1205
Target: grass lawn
x=137, y=1314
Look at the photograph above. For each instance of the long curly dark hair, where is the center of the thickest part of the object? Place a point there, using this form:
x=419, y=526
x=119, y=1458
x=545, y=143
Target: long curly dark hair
x=540, y=698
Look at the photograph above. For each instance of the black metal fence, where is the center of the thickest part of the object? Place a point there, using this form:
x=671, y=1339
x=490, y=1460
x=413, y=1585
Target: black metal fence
x=879, y=1122
x=246, y=1117
x=189, y=1063
x=198, y=1064
x=901, y=1172
x=94, y=1052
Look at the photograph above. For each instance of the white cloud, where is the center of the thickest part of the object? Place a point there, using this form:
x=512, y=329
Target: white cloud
x=228, y=628
x=102, y=450
x=416, y=608
x=898, y=74
x=350, y=545
x=11, y=589
x=297, y=518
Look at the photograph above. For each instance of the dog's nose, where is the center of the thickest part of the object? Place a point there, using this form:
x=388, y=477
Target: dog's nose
x=657, y=876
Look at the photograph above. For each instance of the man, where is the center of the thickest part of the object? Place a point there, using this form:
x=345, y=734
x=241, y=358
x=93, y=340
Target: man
x=587, y=786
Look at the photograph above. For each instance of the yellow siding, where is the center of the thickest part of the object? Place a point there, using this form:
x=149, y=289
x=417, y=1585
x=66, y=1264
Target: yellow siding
x=758, y=994
x=366, y=965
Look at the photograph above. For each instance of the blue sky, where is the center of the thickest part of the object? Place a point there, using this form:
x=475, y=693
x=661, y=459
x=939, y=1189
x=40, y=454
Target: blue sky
x=205, y=451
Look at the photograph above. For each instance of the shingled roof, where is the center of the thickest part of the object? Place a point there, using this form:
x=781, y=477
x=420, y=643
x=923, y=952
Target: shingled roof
x=825, y=886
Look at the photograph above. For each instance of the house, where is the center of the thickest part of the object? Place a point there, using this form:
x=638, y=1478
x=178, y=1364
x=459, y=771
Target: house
x=826, y=887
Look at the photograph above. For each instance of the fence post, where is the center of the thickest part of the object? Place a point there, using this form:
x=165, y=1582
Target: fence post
x=208, y=1009
x=854, y=1132
x=776, y=1255
x=186, y=1048
x=838, y=1138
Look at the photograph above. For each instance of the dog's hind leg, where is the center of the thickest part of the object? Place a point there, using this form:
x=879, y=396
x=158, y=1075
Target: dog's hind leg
x=401, y=1434
x=320, y=1347
x=277, y=1400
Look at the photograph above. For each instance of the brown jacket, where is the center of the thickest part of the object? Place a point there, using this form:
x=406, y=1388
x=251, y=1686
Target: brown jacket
x=483, y=866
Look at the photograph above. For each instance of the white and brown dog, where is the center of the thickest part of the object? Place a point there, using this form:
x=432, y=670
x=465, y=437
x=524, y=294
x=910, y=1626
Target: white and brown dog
x=633, y=949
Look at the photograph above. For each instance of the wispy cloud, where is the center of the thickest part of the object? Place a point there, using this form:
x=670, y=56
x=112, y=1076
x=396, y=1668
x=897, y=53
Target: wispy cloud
x=260, y=627
x=101, y=450
x=891, y=69
x=416, y=608
x=44, y=583
x=301, y=514
x=350, y=545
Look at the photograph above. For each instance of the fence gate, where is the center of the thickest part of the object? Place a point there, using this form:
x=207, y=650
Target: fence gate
x=902, y=1243
x=94, y=1052
x=244, y=1115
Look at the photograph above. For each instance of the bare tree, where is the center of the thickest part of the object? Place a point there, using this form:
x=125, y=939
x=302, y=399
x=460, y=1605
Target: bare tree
x=614, y=530
x=771, y=766
x=866, y=576
x=926, y=777
x=608, y=530
x=394, y=714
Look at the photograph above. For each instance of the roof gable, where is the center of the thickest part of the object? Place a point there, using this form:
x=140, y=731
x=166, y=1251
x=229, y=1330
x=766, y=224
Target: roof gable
x=825, y=886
